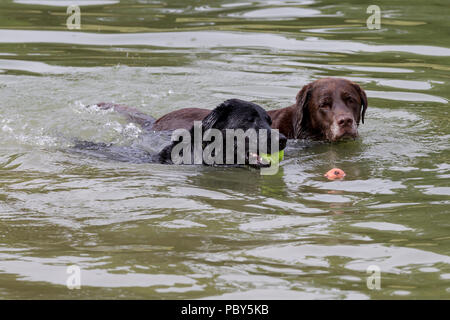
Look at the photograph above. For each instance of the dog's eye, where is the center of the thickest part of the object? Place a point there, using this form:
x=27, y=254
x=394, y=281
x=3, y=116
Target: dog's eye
x=350, y=100
x=324, y=106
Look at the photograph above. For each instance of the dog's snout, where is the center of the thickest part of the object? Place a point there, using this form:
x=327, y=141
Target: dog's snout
x=345, y=121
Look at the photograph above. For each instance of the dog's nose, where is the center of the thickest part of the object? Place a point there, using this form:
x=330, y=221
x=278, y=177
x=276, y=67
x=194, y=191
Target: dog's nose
x=283, y=140
x=345, y=121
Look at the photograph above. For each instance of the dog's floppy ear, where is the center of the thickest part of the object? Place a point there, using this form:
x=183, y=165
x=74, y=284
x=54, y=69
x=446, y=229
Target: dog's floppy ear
x=218, y=113
x=301, y=104
x=363, y=97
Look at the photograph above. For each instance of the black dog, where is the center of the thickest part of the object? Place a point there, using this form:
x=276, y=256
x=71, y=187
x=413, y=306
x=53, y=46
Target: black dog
x=232, y=114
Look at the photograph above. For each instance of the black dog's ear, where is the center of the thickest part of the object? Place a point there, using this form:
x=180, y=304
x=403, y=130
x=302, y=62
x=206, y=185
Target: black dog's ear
x=302, y=100
x=363, y=97
x=165, y=154
x=218, y=113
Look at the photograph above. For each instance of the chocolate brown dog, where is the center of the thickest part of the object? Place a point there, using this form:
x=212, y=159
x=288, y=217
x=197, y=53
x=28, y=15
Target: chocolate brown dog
x=327, y=109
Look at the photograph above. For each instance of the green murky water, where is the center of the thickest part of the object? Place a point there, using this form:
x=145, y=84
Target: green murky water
x=162, y=232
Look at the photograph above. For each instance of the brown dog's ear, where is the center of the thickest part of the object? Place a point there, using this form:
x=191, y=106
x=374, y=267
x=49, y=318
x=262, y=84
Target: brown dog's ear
x=363, y=97
x=302, y=100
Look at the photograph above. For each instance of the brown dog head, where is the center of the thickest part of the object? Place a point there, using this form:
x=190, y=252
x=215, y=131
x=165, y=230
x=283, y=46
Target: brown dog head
x=330, y=109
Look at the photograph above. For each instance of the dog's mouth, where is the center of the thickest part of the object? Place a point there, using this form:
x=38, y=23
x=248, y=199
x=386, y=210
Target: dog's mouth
x=264, y=160
x=256, y=161
x=344, y=135
x=347, y=136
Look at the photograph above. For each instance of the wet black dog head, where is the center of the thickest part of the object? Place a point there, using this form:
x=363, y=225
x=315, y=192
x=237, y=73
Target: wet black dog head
x=235, y=116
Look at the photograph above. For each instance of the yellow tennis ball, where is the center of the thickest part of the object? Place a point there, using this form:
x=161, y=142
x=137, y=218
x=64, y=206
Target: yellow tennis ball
x=274, y=157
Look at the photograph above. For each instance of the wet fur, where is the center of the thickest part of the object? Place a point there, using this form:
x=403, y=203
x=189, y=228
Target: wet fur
x=231, y=114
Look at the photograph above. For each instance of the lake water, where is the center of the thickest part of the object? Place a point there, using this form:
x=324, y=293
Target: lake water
x=152, y=231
